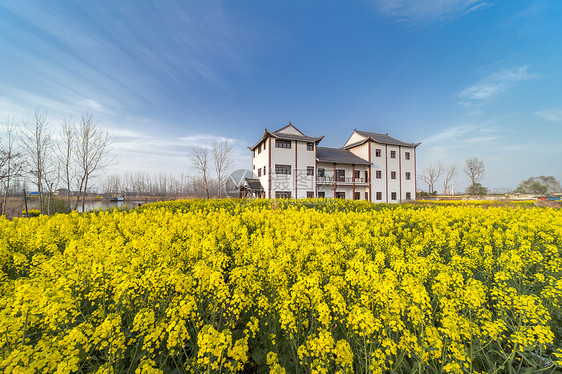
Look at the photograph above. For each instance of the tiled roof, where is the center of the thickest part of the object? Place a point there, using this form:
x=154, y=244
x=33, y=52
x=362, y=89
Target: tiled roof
x=382, y=139
x=280, y=135
x=338, y=155
x=254, y=184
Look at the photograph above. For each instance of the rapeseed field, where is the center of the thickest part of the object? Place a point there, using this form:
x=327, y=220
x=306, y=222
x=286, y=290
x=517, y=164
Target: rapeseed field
x=311, y=286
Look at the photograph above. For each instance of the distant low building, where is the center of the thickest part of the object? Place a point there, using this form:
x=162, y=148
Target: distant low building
x=369, y=166
x=62, y=192
x=501, y=190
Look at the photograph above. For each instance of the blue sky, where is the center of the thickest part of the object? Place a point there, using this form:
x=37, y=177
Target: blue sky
x=464, y=77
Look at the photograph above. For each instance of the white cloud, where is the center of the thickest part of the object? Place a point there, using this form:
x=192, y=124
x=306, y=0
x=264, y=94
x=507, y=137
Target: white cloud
x=154, y=153
x=554, y=115
x=92, y=105
x=423, y=11
x=494, y=84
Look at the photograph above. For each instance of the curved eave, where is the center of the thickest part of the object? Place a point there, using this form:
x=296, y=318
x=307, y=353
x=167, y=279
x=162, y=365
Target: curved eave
x=266, y=134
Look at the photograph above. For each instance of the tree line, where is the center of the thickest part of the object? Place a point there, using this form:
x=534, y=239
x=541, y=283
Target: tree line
x=474, y=170
x=72, y=156
x=210, y=164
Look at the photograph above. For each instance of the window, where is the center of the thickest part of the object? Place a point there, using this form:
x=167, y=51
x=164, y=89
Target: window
x=264, y=170
x=392, y=175
x=321, y=194
x=259, y=172
x=357, y=196
x=264, y=145
x=366, y=196
x=366, y=175
x=357, y=174
x=283, y=144
x=309, y=194
x=321, y=172
x=253, y=167
x=392, y=154
x=259, y=149
x=378, y=152
x=310, y=146
x=379, y=195
x=340, y=195
x=393, y=195
x=340, y=175
x=282, y=169
x=407, y=155
x=282, y=194
x=310, y=170
x=378, y=174
x=407, y=175
x=408, y=196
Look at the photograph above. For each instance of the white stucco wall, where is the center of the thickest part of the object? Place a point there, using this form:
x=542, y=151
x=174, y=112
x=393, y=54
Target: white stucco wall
x=299, y=158
x=408, y=166
x=305, y=158
x=387, y=165
x=361, y=151
x=259, y=161
x=378, y=163
x=289, y=130
x=354, y=138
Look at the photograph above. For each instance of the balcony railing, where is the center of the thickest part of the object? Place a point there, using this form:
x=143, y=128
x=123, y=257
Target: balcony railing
x=327, y=179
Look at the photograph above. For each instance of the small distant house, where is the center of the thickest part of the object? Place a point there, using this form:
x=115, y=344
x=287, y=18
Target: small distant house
x=62, y=192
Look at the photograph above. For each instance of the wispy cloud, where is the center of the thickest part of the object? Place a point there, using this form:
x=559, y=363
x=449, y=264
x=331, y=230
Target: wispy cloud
x=554, y=115
x=423, y=11
x=494, y=84
x=461, y=135
x=166, y=150
x=105, y=58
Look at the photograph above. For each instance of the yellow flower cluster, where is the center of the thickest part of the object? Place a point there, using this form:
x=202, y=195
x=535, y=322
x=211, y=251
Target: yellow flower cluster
x=311, y=286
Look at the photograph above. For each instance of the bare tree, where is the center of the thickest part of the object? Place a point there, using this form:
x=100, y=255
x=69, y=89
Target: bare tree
x=474, y=170
x=431, y=175
x=36, y=142
x=448, y=177
x=113, y=184
x=222, y=160
x=200, y=158
x=64, y=153
x=93, y=153
x=51, y=178
x=11, y=161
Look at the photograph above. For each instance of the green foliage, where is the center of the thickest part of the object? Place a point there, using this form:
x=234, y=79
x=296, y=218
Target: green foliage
x=426, y=194
x=539, y=185
x=57, y=205
x=477, y=189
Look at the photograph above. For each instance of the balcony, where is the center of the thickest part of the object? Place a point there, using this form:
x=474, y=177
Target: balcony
x=329, y=179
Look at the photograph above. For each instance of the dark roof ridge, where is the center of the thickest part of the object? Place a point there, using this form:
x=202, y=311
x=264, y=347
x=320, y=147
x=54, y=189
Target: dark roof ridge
x=383, y=139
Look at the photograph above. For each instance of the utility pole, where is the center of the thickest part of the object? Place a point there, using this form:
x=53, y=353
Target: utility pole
x=25, y=201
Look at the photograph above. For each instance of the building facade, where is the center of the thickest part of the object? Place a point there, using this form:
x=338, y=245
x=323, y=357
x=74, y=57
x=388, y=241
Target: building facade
x=289, y=164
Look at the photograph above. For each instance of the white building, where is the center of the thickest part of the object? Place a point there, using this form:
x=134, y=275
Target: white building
x=374, y=167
